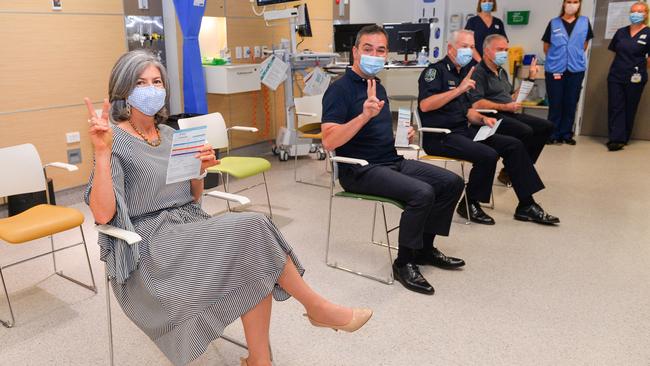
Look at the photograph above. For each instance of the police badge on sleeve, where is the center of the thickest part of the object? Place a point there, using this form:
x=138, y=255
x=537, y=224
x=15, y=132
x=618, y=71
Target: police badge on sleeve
x=430, y=75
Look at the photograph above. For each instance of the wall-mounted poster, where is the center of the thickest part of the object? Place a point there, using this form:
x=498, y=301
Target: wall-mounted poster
x=56, y=5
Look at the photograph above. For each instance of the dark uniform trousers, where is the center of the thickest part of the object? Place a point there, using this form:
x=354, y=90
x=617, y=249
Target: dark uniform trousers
x=531, y=130
x=484, y=155
x=624, y=100
x=429, y=194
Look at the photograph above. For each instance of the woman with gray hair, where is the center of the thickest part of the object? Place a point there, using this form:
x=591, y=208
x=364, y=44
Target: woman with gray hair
x=192, y=274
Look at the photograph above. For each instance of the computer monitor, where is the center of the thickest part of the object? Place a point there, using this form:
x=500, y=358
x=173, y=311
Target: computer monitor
x=345, y=35
x=304, y=25
x=270, y=2
x=407, y=38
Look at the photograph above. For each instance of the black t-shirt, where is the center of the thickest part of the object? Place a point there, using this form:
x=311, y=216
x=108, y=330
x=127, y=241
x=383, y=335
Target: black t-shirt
x=569, y=29
x=631, y=52
x=439, y=78
x=342, y=102
x=481, y=30
x=496, y=89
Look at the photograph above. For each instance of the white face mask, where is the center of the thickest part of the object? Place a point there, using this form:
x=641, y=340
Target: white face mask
x=571, y=9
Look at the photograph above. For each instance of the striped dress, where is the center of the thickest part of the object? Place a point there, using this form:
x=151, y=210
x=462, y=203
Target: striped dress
x=192, y=274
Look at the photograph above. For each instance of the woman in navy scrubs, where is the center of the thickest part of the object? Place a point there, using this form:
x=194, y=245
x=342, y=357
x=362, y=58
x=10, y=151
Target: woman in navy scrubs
x=484, y=24
x=627, y=75
x=565, y=41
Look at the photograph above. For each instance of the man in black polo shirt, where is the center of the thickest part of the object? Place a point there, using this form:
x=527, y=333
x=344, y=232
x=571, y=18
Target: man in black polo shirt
x=443, y=103
x=494, y=91
x=357, y=123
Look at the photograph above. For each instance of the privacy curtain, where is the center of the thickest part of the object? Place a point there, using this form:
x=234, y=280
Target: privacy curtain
x=189, y=17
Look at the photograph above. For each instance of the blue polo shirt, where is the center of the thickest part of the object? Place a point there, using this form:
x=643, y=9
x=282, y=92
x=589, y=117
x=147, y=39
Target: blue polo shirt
x=342, y=102
x=481, y=30
x=631, y=52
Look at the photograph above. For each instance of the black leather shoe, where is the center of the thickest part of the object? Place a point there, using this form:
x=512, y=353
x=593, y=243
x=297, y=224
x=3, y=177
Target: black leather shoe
x=536, y=214
x=552, y=141
x=569, y=141
x=504, y=178
x=438, y=259
x=615, y=146
x=477, y=214
x=409, y=275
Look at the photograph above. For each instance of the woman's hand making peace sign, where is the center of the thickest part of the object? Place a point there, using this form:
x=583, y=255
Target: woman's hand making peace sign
x=100, y=131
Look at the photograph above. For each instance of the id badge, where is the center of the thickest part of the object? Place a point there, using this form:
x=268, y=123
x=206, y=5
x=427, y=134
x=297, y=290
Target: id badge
x=636, y=78
x=557, y=76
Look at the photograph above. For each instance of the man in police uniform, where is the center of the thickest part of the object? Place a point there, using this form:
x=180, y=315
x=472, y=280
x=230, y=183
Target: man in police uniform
x=357, y=123
x=443, y=103
x=494, y=91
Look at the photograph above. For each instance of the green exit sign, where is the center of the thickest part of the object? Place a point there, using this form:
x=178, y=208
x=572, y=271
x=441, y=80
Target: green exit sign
x=518, y=17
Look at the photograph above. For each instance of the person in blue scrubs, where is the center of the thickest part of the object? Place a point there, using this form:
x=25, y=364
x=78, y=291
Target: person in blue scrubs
x=484, y=24
x=627, y=75
x=565, y=41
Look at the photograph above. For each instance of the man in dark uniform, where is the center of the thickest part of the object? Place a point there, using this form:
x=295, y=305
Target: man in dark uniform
x=443, y=104
x=357, y=123
x=494, y=91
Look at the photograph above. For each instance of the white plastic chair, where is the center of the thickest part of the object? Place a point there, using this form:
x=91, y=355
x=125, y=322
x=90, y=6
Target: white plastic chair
x=309, y=112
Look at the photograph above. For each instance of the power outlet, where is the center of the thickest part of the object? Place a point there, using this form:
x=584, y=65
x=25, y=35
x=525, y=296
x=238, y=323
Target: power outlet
x=238, y=53
x=258, y=51
x=72, y=137
x=247, y=52
x=74, y=156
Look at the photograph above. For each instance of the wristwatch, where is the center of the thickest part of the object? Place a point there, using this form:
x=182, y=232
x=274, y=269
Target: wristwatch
x=531, y=80
x=202, y=175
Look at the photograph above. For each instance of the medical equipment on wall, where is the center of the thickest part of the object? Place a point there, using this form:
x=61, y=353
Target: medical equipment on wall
x=146, y=32
x=287, y=143
x=434, y=13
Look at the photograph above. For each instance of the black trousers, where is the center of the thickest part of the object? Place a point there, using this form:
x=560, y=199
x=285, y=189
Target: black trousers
x=623, y=101
x=428, y=192
x=531, y=130
x=483, y=156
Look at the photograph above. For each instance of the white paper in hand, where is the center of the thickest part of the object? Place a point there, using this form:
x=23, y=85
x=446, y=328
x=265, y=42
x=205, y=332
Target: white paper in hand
x=524, y=90
x=403, y=124
x=186, y=143
x=486, y=131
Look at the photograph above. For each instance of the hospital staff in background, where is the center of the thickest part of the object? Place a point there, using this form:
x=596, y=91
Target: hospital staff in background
x=484, y=24
x=565, y=41
x=627, y=75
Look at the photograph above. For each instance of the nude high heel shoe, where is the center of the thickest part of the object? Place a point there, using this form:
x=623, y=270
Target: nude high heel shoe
x=359, y=318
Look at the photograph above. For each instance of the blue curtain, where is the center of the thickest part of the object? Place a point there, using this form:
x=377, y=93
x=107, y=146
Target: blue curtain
x=189, y=17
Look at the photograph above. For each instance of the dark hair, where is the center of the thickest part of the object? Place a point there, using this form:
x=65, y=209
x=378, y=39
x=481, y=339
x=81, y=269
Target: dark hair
x=369, y=29
x=478, y=6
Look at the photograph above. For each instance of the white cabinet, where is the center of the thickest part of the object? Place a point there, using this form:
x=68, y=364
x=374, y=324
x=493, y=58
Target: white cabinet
x=232, y=79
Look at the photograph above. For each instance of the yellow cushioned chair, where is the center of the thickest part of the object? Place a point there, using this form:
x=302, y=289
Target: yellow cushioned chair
x=25, y=174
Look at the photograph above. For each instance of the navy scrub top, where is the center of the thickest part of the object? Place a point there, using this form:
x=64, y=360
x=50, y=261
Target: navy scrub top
x=481, y=30
x=630, y=52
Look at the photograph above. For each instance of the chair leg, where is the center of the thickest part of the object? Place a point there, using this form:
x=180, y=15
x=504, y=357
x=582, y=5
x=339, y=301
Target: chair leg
x=268, y=198
x=8, y=324
x=225, y=189
x=53, y=254
x=374, y=222
x=329, y=226
x=295, y=167
x=462, y=170
x=92, y=288
x=390, y=255
x=109, y=322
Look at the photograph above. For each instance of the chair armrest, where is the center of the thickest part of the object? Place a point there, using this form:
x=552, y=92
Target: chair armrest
x=128, y=236
x=435, y=130
x=344, y=160
x=229, y=197
x=60, y=165
x=243, y=128
x=307, y=114
x=414, y=147
x=487, y=111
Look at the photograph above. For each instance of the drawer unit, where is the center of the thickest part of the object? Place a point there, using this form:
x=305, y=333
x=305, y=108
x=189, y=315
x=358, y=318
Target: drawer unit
x=232, y=78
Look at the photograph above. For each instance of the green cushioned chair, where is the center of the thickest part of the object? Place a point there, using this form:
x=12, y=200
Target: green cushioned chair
x=379, y=202
x=239, y=167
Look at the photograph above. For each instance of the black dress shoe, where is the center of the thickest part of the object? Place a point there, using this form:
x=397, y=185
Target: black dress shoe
x=536, y=214
x=552, y=141
x=476, y=213
x=569, y=141
x=615, y=146
x=504, y=178
x=409, y=275
x=439, y=260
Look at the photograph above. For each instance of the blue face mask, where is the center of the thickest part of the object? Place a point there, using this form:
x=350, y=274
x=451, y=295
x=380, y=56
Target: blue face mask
x=500, y=58
x=371, y=65
x=464, y=56
x=487, y=7
x=147, y=99
x=637, y=18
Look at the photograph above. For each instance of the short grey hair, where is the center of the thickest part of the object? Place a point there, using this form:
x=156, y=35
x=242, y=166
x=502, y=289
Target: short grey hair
x=124, y=78
x=491, y=38
x=456, y=34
